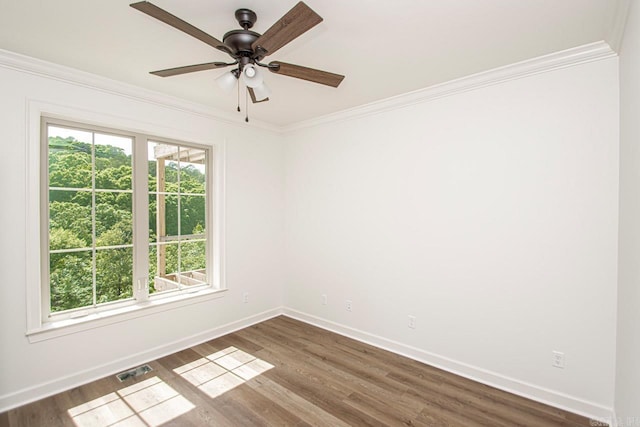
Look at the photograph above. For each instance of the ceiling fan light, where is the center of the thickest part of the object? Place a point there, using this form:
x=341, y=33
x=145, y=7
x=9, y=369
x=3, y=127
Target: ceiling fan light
x=226, y=81
x=251, y=76
x=261, y=92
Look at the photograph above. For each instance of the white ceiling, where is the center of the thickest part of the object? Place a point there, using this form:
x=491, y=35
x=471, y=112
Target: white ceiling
x=383, y=48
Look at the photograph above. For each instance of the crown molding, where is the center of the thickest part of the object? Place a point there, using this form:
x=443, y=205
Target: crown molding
x=80, y=78
x=562, y=59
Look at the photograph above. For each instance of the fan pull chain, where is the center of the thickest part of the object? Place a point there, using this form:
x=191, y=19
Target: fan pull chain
x=246, y=105
x=238, y=96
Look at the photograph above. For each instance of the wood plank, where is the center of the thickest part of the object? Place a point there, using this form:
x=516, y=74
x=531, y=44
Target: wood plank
x=285, y=372
x=292, y=401
x=300, y=19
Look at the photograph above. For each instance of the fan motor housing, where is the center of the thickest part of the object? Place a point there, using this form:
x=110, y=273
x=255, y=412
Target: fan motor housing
x=240, y=41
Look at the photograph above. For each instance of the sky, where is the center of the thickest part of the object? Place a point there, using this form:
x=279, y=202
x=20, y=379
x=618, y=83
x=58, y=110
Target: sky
x=85, y=136
x=123, y=142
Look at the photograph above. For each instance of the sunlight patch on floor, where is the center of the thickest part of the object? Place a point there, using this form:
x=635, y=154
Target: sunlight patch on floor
x=222, y=371
x=151, y=402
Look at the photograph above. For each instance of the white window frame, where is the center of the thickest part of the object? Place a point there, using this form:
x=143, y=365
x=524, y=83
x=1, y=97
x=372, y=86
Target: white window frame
x=41, y=326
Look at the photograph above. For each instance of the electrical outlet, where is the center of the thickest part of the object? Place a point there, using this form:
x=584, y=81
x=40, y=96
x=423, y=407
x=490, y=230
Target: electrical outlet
x=557, y=360
x=245, y=297
x=348, y=305
x=324, y=299
x=412, y=322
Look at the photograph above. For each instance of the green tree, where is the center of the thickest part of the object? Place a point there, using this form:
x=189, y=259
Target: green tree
x=114, y=267
x=70, y=277
x=72, y=218
x=71, y=224
x=73, y=215
x=114, y=178
x=69, y=163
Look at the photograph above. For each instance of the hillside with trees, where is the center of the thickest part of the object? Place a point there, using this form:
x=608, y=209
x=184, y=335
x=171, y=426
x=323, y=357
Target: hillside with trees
x=81, y=219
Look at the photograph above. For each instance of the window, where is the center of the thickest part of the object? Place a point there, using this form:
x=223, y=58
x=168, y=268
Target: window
x=126, y=219
x=177, y=201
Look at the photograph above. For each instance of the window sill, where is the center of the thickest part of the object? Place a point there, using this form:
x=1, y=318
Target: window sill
x=64, y=327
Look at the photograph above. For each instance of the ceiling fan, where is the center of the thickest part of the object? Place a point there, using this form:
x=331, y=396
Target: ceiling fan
x=248, y=48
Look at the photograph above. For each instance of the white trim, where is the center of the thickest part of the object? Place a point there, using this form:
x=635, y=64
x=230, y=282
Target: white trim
x=493, y=379
x=510, y=385
x=39, y=391
x=38, y=328
x=34, y=298
x=566, y=58
x=217, y=244
x=98, y=319
x=140, y=185
x=79, y=78
x=613, y=422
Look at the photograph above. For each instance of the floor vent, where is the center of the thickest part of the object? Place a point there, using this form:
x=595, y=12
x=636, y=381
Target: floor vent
x=132, y=373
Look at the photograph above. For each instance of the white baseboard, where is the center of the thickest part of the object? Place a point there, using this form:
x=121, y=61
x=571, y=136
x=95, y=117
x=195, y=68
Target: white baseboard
x=31, y=394
x=530, y=391
x=511, y=385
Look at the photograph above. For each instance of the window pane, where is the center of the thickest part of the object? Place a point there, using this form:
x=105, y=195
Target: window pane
x=152, y=164
x=113, y=162
x=163, y=267
x=114, y=278
x=170, y=260
x=153, y=267
x=192, y=215
x=69, y=158
x=167, y=211
x=70, y=280
x=69, y=219
x=193, y=258
x=192, y=170
x=153, y=207
x=163, y=161
x=113, y=219
x=170, y=174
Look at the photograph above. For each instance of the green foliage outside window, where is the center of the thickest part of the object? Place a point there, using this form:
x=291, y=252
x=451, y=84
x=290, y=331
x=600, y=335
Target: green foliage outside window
x=78, y=216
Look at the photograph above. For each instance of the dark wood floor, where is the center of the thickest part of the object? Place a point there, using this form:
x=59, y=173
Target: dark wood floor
x=284, y=372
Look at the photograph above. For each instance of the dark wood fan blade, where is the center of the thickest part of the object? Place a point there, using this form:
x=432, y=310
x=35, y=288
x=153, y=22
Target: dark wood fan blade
x=294, y=23
x=189, y=69
x=164, y=16
x=305, y=73
x=252, y=94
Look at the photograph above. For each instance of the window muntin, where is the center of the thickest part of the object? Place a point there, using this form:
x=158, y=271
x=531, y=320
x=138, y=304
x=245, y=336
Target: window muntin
x=90, y=256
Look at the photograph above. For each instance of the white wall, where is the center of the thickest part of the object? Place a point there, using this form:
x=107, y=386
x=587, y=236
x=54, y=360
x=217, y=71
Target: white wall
x=628, y=339
x=490, y=215
x=254, y=241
